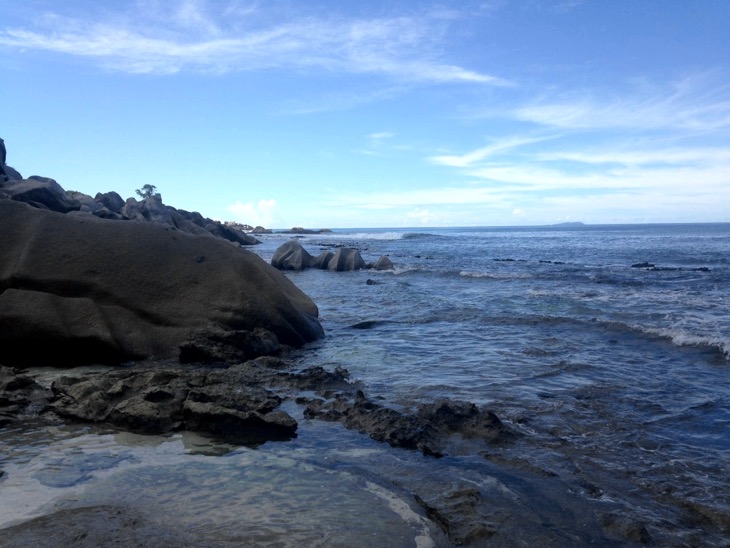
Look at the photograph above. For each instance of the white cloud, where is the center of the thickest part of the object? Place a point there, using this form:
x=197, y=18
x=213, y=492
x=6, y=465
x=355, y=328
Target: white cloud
x=381, y=135
x=696, y=103
x=423, y=216
x=479, y=154
x=254, y=214
x=201, y=36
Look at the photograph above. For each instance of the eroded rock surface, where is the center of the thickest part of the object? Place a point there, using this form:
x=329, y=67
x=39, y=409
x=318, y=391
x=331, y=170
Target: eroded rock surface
x=435, y=429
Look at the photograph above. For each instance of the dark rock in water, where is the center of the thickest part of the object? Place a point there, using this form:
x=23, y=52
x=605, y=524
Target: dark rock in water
x=384, y=263
x=642, y=265
x=19, y=395
x=300, y=230
x=460, y=512
x=261, y=230
x=322, y=260
x=92, y=526
x=371, y=282
x=346, y=259
x=41, y=192
x=291, y=256
x=626, y=528
x=429, y=430
x=83, y=290
x=367, y=324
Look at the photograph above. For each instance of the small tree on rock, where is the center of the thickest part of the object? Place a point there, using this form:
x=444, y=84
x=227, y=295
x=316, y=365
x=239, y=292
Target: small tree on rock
x=147, y=190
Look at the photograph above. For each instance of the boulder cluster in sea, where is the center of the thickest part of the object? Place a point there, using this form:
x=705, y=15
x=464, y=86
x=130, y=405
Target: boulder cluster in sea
x=191, y=323
x=292, y=256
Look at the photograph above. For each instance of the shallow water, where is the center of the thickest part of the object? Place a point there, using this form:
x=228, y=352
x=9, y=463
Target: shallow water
x=616, y=377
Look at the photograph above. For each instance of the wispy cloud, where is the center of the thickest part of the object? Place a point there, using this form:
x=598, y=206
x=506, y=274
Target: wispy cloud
x=652, y=148
x=696, y=103
x=201, y=36
x=498, y=146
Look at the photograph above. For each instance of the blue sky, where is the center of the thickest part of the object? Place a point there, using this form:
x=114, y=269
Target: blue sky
x=378, y=114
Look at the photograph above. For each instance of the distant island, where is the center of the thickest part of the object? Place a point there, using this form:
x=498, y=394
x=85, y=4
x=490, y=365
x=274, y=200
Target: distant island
x=570, y=223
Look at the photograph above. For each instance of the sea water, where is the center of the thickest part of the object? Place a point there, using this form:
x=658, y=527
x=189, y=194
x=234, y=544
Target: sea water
x=606, y=348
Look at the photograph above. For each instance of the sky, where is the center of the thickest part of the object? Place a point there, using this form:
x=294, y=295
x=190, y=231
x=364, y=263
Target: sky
x=337, y=114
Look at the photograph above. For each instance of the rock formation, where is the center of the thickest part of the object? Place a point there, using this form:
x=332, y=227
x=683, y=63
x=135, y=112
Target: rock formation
x=78, y=289
x=292, y=256
x=46, y=193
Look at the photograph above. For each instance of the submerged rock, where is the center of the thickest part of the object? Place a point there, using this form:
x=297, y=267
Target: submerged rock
x=431, y=429
x=20, y=395
x=77, y=289
x=460, y=512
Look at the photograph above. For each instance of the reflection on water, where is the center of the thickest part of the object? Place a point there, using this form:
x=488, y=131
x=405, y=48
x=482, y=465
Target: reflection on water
x=276, y=495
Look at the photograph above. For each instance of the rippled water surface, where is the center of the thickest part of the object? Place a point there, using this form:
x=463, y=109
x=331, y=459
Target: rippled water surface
x=618, y=374
x=617, y=377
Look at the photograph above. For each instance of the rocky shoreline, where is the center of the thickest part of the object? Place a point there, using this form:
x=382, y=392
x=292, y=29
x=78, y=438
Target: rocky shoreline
x=239, y=404
x=193, y=330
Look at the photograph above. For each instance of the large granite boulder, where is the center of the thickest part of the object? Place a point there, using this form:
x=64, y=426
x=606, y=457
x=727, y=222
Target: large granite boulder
x=346, y=259
x=110, y=200
x=291, y=256
x=42, y=192
x=78, y=289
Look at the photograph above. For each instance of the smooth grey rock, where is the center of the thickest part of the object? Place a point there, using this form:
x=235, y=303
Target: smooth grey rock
x=77, y=289
x=346, y=259
x=291, y=256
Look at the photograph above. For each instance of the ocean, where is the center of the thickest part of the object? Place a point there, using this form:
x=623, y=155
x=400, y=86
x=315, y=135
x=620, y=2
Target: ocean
x=606, y=348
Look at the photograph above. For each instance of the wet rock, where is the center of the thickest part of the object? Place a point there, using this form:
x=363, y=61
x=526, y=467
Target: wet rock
x=160, y=401
x=20, y=395
x=322, y=260
x=301, y=230
x=346, y=259
x=626, y=528
x=93, y=526
x=460, y=513
x=291, y=256
x=367, y=324
x=318, y=378
x=384, y=263
x=432, y=429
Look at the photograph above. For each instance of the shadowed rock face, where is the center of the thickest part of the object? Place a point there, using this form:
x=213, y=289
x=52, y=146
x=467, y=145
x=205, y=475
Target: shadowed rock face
x=78, y=289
